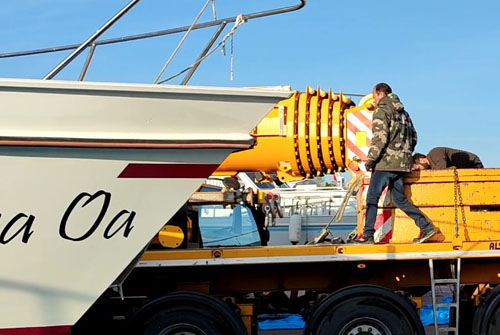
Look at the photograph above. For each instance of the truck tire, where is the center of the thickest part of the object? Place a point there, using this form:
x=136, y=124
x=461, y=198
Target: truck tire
x=187, y=313
x=487, y=317
x=364, y=315
x=182, y=320
x=364, y=309
x=494, y=323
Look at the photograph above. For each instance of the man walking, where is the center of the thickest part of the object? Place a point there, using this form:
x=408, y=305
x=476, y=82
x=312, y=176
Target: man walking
x=390, y=158
x=442, y=158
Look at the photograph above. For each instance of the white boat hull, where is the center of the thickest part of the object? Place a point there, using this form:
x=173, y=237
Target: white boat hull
x=317, y=207
x=311, y=228
x=78, y=203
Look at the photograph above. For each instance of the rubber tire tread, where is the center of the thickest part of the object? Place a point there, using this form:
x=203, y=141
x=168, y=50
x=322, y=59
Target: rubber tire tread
x=494, y=323
x=227, y=320
x=404, y=305
x=208, y=322
x=368, y=306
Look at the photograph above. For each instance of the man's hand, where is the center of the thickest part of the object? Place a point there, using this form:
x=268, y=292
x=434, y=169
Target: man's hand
x=369, y=165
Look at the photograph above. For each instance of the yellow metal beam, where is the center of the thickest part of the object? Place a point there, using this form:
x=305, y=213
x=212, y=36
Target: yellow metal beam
x=341, y=252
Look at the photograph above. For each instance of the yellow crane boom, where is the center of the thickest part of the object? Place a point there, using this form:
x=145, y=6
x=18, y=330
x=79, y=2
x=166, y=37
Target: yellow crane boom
x=303, y=136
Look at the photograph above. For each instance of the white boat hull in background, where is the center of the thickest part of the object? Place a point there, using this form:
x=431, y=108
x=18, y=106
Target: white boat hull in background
x=317, y=207
x=91, y=172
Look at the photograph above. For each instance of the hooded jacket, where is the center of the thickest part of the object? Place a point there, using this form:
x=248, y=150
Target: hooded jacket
x=394, y=137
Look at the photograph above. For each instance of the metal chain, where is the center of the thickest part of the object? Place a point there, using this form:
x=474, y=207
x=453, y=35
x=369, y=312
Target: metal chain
x=462, y=208
x=455, y=187
x=458, y=194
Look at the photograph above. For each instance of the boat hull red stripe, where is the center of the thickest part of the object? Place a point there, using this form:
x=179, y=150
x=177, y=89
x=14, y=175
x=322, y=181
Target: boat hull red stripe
x=139, y=170
x=50, y=330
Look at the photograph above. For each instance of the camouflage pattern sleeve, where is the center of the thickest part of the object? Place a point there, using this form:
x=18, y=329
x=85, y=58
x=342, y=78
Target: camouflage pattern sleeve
x=380, y=130
x=413, y=138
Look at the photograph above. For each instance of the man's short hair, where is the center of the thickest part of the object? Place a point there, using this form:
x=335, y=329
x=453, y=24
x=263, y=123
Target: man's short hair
x=383, y=87
x=416, y=158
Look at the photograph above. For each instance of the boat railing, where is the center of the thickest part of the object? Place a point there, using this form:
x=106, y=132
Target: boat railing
x=92, y=41
x=310, y=189
x=311, y=206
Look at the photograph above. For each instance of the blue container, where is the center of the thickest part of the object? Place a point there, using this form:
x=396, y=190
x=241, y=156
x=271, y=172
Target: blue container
x=281, y=321
x=443, y=313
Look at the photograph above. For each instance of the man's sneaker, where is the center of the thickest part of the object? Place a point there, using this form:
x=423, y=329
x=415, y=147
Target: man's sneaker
x=364, y=240
x=425, y=235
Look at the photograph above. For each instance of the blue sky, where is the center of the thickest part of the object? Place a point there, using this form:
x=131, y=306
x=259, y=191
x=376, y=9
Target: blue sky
x=441, y=57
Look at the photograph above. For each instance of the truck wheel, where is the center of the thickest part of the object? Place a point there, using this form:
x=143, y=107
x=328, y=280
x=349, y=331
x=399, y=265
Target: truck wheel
x=186, y=313
x=183, y=320
x=487, y=318
x=364, y=316
x=494, y=323
x=364, y=310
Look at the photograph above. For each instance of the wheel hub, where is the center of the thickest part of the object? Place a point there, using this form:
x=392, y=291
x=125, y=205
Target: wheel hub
x=364, y=330
x=365, y=326
x=182, y=329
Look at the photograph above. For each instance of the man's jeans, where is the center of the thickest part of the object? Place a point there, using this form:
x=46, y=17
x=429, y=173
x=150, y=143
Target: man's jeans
x=379, y=180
